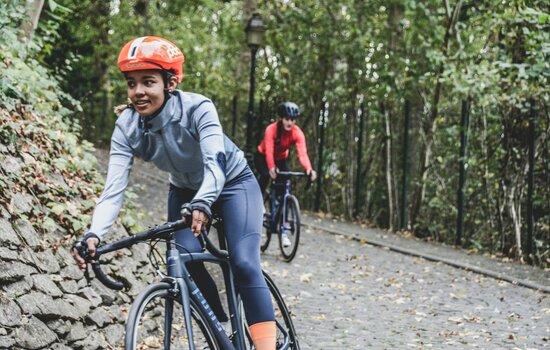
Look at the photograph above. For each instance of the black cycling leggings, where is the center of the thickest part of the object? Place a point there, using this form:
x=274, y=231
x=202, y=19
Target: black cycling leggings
x=263, y=171
x=240, y=207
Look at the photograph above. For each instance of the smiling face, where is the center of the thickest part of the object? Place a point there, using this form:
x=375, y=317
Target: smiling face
x=146, y=90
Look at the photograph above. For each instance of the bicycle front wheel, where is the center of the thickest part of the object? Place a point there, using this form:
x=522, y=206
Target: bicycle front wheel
x=266, y=225
x=156, y=321
x=292, y=228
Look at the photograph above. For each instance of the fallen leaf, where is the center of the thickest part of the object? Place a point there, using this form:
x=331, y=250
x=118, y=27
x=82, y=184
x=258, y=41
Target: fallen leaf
x=456, y=320
x=305, y=277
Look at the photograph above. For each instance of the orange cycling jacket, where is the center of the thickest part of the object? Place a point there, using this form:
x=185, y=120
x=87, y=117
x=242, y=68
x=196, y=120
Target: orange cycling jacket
x=273, y=152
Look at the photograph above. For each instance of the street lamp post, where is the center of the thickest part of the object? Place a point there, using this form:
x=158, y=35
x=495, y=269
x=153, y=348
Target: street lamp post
x=254, y=36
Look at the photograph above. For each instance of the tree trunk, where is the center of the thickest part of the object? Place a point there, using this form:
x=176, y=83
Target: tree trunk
x=387, y=147
x=432, y=122
x=33, y=10
x=351, y=162
x=320, y=164
x=373, y=153
x=486, y=183
x=103, y=97
x=395, y=187
x=358, y=183
x=141, y=8
x=350, y=120
x=516, y=218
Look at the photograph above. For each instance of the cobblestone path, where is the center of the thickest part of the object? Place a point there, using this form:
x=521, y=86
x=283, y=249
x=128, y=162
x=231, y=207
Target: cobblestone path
x=349, y=295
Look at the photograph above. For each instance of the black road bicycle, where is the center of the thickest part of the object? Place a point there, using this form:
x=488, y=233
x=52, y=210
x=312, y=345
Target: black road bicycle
x=282, y=215
x=172, y=313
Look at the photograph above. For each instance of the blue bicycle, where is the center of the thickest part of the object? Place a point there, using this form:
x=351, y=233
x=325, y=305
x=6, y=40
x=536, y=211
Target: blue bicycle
x=173, y=313
x=282, y=215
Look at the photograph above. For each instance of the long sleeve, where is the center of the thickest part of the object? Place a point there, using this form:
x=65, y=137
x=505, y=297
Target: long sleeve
x=301, y=148
x=211, y=140
x=110, y=202
x=269, y=142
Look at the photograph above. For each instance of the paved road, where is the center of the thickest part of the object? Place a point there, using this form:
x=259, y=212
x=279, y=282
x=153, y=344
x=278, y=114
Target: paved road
x=348, y=295
x=351, y=295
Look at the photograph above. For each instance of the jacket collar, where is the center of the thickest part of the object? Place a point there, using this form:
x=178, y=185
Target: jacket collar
x=159, y=121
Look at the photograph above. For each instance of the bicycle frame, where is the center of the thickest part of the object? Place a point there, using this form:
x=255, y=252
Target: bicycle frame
x=276, y=207
x=176, y=269
x=183, y=283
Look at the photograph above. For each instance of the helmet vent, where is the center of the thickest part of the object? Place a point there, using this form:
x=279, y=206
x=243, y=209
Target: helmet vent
x=135, y=45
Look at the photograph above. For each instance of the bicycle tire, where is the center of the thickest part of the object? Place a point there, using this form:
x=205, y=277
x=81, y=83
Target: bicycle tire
x=266, y=225
x=293, y=233
x=145, y=326
x=283, y=317
x=283, y=321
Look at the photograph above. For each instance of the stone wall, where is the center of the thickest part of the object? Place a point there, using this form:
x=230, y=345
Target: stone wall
x=44, y=300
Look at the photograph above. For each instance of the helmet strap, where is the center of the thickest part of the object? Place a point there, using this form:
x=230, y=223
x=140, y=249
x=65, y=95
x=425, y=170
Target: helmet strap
x=166, y=75
x=165, y=78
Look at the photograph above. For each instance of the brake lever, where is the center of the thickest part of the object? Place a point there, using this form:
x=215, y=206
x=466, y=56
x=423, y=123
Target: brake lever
x=87, y=276
x=82, y=248
x=308, y=182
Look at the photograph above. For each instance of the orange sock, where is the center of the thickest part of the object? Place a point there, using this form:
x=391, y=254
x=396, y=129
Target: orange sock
x=263, y=335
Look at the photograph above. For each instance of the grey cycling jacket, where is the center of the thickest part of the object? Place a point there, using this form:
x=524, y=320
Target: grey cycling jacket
x=185, y=139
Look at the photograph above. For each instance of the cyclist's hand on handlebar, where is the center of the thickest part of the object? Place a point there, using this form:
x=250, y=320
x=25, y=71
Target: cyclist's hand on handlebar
x=273, y=173
x=198, y=214
x=312, y=175
x=199, y=221
x=92, y=243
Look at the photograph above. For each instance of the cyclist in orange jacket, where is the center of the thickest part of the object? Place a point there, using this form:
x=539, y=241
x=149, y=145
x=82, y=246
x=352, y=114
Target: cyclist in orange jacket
x=273, y=151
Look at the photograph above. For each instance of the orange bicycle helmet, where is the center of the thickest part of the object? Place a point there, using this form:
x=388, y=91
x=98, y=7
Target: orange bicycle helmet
x=151, y=52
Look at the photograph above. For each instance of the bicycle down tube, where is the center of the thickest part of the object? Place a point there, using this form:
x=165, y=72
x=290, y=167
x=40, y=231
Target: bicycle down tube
x=178, y=273
x=178, y=287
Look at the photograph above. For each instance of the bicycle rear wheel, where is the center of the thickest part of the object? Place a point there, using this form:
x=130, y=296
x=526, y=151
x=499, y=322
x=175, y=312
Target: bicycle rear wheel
x=156, y=321
x=286, y=338
x=292, y=224
x=286, y=334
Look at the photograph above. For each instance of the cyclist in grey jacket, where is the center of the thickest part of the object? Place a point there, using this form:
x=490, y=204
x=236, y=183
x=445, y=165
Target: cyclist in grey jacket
x=185, y=139
x=180, y=133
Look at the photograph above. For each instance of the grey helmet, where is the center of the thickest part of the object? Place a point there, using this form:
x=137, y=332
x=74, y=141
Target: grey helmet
x=288, y=109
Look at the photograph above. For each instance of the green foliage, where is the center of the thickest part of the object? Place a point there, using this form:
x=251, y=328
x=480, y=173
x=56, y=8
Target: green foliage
x=24, y=79
x=38, y=130
x=334, y=55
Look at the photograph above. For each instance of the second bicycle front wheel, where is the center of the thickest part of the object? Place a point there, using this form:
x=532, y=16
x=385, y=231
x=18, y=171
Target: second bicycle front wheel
x=266, y=225
x=156, y=321
x=291, y=227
